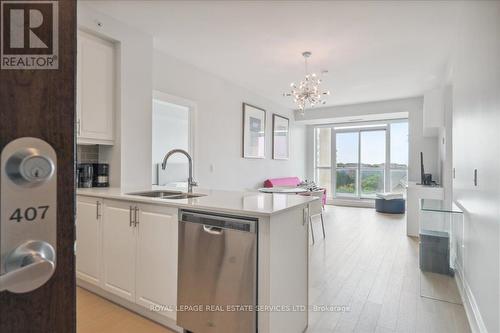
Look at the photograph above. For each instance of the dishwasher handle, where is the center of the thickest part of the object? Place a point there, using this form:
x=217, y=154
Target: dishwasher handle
x=213, y=230
x=219, y=221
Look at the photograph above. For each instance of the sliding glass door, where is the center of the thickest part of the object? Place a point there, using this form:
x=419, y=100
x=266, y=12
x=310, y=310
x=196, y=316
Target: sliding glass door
x=360, y=162
x=356, y=162
x=347, y=164
x=372, y=164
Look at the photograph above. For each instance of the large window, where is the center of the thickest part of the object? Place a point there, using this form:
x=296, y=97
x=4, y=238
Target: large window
x=360, y=161
x=367, y=158
x=347, y=164
x=372, y=164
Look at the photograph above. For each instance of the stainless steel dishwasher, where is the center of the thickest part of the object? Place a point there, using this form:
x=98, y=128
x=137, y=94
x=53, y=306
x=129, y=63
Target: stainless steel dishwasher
x=217, y=274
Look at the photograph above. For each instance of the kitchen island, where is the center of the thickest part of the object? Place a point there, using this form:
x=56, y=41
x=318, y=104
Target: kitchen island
x=127, y=251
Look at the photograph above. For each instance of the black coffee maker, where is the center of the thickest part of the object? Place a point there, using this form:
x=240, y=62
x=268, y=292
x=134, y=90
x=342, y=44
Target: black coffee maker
x=101, y=175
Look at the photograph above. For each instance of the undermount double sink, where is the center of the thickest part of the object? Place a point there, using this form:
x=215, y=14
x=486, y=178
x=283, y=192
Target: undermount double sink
x=168, y=194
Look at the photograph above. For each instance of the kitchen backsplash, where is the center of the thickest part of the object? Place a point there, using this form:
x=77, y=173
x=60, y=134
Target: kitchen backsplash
x=87, y=153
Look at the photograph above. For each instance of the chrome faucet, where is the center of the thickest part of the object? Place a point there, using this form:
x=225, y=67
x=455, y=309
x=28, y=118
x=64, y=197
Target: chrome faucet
x=191, y=181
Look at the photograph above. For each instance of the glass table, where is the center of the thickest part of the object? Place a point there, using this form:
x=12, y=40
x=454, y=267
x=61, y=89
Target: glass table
x=440, y=248
x=439, y=206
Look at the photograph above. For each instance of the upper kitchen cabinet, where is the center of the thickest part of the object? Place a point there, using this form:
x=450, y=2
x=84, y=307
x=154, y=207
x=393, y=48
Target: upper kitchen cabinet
x=96, y=87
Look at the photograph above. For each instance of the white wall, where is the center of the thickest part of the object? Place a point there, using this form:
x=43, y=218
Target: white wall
x=218, y=135
x=476, y=145
x=417, y=142
x=170, y=131
x=130, y=157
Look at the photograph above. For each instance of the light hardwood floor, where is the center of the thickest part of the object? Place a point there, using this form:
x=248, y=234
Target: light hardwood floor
x=366, y=263
x=97, y=315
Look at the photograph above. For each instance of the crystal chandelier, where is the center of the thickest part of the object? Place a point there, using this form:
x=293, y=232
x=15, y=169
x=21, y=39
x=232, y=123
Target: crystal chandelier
x=307, y=91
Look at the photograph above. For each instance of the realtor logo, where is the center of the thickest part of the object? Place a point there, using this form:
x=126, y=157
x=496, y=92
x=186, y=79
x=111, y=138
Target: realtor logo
x=29, y=31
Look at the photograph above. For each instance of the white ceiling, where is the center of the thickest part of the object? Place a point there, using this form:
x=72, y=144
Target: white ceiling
x=373, y=50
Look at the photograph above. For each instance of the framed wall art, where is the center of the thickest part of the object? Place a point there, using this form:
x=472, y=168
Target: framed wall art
x=254, y=132
x=281, y=139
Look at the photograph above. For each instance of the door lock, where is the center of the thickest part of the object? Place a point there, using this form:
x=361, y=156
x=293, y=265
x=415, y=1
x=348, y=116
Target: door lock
x=29, y=167
x=28, y=214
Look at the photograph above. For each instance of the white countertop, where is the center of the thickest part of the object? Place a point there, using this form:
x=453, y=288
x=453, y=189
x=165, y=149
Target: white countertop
x=246, y=203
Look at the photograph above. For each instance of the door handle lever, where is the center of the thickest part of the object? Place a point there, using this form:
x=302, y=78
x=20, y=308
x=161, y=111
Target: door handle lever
x=23, y=279
x=28, y=267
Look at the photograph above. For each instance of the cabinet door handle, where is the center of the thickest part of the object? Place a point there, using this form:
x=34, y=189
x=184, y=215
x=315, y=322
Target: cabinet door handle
x=98, y=210
x=130, y=217
x=136, y=216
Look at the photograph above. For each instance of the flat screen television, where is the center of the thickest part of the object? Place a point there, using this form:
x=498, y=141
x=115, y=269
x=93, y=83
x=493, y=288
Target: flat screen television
x=422, y=173
x=425, y=178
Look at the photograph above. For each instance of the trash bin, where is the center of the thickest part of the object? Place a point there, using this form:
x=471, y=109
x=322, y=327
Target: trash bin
x=435, y=252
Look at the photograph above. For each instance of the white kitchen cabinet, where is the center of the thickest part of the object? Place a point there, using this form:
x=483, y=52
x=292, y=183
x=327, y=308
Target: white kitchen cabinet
x=130, y=250
x=119, y=249
x=88, y=239
x=156, y=264
x=96, y=67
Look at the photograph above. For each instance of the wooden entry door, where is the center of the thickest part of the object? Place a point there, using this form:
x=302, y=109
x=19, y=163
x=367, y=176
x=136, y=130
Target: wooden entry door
x=37, y=101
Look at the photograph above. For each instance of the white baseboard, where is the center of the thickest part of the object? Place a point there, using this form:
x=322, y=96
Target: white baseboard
x=156, y=317
x=471, y=309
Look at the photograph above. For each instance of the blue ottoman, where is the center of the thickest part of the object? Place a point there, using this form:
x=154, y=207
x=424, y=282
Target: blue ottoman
x=392, y=206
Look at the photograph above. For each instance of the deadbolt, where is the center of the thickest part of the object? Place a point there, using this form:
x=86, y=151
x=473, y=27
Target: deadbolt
x=29, y=167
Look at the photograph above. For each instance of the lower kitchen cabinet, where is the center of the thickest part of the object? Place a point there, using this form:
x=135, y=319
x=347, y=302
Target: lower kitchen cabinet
x=118, y=249
x=129, y=250
x=88, y=239
x=156, y=263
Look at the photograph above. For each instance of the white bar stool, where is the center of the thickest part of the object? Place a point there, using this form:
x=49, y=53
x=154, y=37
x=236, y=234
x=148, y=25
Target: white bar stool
x=315, y=209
